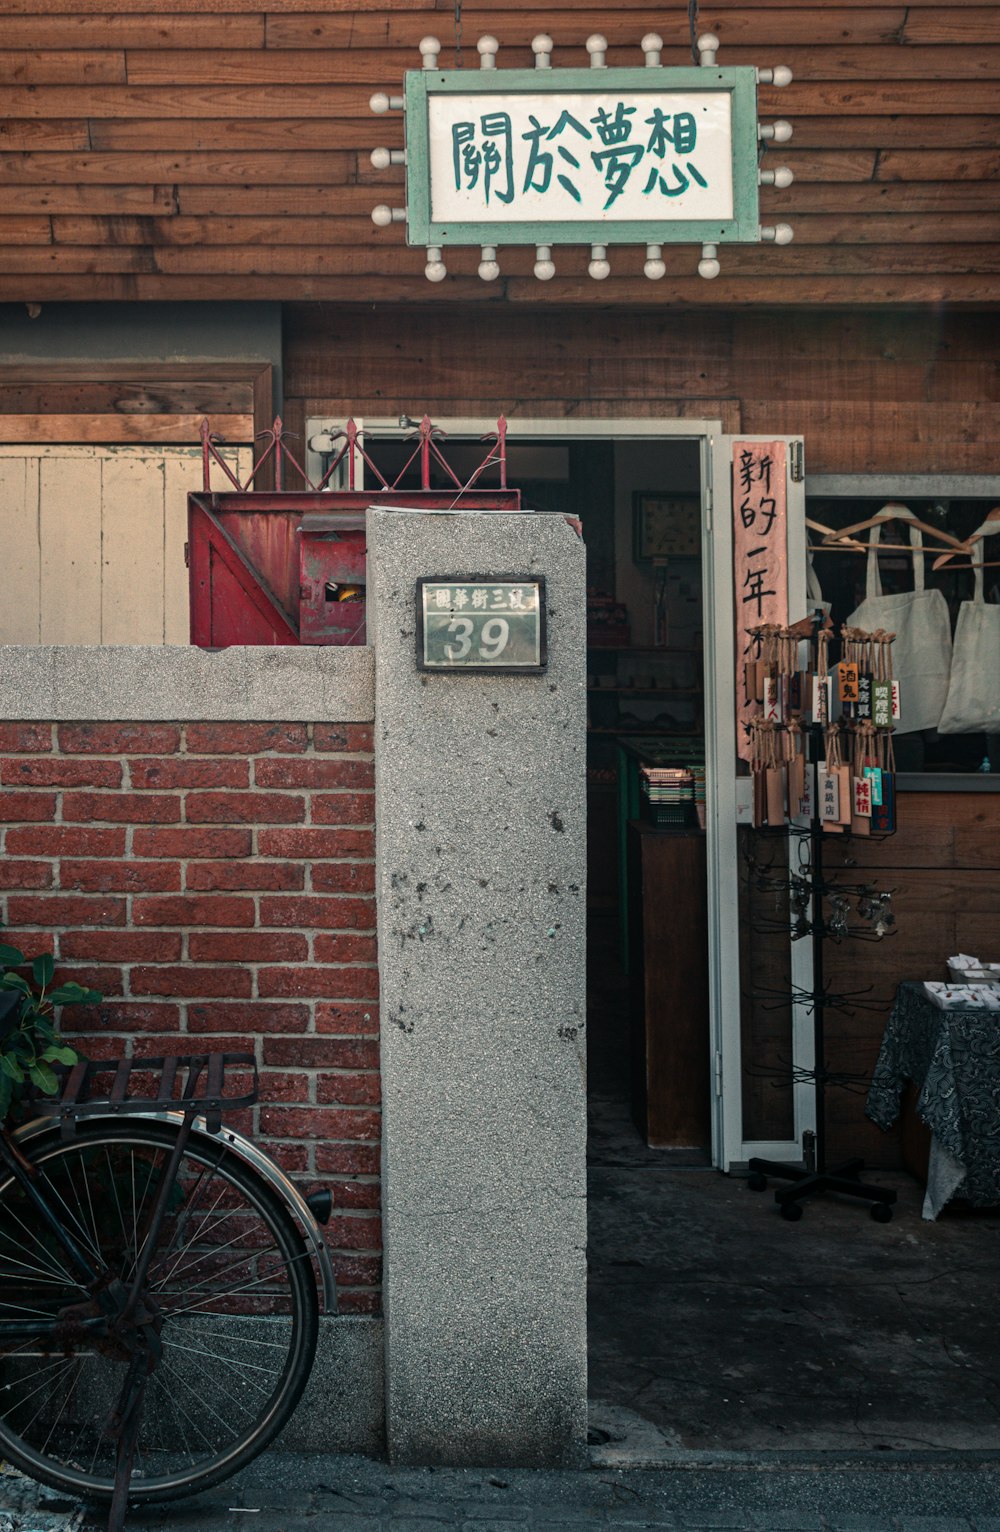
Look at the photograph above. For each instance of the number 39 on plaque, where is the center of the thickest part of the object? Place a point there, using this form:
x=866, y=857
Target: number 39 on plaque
x=488, y=623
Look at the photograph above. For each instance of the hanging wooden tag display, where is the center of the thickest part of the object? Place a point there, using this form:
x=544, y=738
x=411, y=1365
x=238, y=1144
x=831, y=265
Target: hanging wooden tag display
x=884, y=814
x=752, y=670
x=796, y=767
x=861, y=797
x=864, y=646
x=828, y=781
x=775, y=778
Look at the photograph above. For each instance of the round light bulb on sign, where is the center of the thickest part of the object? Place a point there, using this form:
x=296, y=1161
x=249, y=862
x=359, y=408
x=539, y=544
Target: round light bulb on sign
x=654, y=267
x=489, y=269
x=544, y=265
x=599, y=267
x=435, y=270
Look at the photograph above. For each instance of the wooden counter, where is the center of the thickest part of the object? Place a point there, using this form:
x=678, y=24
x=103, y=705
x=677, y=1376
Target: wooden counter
x=668, y=985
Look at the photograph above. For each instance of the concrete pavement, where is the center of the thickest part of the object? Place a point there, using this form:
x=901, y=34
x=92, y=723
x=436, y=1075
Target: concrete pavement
x=700, y=1492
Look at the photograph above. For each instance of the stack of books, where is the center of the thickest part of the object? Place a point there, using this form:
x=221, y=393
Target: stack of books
x=668, y=794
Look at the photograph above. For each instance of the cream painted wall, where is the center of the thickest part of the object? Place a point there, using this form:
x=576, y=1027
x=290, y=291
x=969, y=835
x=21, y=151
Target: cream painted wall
x=93, y=542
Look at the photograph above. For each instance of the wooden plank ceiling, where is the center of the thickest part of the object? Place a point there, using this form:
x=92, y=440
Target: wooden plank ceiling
x=212, y=149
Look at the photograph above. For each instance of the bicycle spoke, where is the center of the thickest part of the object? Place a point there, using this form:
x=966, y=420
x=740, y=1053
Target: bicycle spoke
x=60, y=1363
x=214, y=1250
x=201, y=1401
x=241, y=1340
x=191, y=1203
x=145, y=1194
x=237, y=1367
x=49, y=1269
x=68, y=1400
x=72, y=1220
x=114, y=1188
x=177, y=1413
x=180, y=1256
x=244, y=1287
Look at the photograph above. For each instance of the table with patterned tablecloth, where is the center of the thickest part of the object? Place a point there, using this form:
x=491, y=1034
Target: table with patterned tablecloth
x=953, y=1057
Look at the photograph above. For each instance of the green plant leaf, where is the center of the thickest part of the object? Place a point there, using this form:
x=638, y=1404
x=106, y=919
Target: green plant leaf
x=14, y=981
x=11, y=1068
x=43, y=968
x=10, y=957
x=60, y=1055
x=44, y=1078
x=72, y=993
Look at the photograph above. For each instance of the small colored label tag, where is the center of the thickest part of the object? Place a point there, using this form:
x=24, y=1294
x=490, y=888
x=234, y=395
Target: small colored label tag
x=847, y=678
x=874, y=775
x=862, y=797
x=864, y=707
x=828, y=786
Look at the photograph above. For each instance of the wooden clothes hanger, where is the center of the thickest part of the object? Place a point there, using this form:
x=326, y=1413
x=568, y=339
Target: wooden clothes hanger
x=893, y=511
x=851, y=545
x=988, y=528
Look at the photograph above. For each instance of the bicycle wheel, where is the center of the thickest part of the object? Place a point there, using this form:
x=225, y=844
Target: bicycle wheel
x=230, y=1285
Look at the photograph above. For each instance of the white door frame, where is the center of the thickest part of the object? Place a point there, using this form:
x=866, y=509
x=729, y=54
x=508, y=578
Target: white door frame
x=729, y=1149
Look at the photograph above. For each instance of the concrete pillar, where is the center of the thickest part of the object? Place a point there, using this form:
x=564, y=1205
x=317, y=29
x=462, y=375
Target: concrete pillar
x=480, y=865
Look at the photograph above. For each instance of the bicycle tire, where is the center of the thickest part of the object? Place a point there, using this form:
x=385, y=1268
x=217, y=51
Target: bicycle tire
x=185, y=1443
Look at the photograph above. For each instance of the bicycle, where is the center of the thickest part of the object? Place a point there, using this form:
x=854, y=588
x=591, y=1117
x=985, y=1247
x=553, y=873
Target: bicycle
x=158, y=1282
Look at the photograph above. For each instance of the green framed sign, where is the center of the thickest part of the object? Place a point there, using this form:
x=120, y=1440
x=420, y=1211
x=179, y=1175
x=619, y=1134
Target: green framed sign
x=487, y=623
x=582, y=156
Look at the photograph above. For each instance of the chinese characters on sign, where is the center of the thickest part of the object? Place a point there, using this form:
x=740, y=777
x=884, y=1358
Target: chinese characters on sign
x=760, y=558
x=567, y=156
x=481, y=625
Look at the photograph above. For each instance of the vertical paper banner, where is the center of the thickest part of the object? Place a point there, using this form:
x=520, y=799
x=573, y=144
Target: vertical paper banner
x=760, y=554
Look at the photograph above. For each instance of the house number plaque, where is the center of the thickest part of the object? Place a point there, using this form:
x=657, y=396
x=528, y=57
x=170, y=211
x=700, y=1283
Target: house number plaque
x=485, y=624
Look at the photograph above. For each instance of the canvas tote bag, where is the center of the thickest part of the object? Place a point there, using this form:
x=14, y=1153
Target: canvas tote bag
x=973, y=701
x=921, y=655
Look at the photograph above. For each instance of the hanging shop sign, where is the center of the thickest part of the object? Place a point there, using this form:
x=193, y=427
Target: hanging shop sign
x=760, y=561
x=485, y=624
x=588, y=156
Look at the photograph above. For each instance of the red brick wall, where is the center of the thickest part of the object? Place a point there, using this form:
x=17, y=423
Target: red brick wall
x=216, y=883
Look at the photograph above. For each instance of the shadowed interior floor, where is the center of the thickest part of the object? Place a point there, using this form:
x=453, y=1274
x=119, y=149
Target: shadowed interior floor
x=726, y=1328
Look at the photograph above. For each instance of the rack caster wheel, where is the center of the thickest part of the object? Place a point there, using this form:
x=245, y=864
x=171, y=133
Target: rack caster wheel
x=792, y=1211
x=882, y=1212
x=757, y=1182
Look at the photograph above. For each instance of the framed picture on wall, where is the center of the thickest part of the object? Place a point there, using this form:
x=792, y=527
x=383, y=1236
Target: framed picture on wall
x=665, y=526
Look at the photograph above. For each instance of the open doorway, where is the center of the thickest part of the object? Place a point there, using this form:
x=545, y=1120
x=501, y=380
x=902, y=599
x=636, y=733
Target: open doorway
x=640, y=505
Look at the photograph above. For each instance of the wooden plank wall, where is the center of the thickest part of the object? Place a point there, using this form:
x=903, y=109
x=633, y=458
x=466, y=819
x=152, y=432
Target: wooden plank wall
x=943, y=866
x=122, y=402
x=212, y=149
x=873, y=392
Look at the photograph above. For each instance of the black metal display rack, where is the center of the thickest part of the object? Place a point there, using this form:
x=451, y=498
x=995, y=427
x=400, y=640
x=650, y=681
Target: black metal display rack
x=813, y=1176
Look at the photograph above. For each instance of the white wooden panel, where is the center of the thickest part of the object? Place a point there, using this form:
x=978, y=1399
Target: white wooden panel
x=94, y=540
x=182, y=475
x=21, y=553
x=132, y=548
x=69, y=517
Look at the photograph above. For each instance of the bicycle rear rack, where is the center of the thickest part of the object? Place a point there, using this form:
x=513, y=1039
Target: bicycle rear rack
x=193, y=1083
